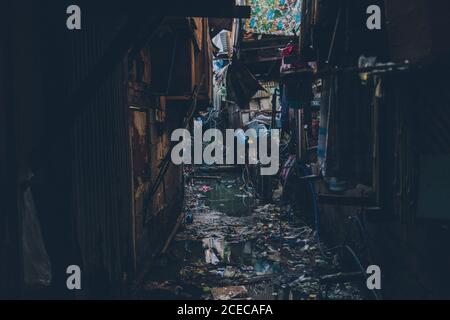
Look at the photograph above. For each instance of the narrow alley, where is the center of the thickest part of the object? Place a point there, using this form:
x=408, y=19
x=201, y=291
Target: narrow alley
x=224, y=150
x=232, y=246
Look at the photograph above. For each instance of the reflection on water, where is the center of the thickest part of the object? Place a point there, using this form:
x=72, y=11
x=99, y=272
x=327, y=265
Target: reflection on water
x=213, y=259
x=228, y=196
x=218, y=251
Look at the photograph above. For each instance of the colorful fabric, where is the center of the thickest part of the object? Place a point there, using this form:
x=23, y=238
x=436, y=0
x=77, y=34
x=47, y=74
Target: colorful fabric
x=279, y=17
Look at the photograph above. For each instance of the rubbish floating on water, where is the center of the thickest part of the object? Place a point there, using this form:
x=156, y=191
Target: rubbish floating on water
x=228, y=293
x=264, y=253
x=205, y=188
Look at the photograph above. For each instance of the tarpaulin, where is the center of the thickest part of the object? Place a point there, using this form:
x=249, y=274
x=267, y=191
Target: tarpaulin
x=280, y=17
x=241, y=84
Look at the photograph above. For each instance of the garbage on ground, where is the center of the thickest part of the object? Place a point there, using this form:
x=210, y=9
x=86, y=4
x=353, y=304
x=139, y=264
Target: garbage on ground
x=189, y=217
x=228, y=293
x=265, y=253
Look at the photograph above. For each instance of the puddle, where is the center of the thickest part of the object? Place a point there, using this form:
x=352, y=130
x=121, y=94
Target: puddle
x=234, y=248
x=227, y=196
x=218, y=252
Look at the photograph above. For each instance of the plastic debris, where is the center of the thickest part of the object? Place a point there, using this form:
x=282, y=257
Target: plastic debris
x=267, y=254
x=189, y=218
x=228, y=293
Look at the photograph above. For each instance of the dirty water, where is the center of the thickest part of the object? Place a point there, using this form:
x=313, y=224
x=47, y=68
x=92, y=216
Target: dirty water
x=228, y=196
x=230, y=248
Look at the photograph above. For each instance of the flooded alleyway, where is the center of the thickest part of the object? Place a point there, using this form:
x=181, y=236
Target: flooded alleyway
x=224, y=150
x=233, y=246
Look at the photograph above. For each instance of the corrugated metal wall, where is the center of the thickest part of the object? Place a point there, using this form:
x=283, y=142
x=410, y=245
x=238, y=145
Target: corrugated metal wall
x=10, y=249
x=101, y=165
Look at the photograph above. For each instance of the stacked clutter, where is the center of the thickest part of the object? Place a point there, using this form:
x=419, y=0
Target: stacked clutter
x=268, y=254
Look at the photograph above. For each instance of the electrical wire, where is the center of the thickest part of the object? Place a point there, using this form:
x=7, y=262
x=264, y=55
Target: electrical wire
x=344, y=245
x=360, y=266
x=312, y=191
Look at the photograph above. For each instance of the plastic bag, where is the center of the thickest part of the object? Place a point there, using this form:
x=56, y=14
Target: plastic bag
x=37, y=268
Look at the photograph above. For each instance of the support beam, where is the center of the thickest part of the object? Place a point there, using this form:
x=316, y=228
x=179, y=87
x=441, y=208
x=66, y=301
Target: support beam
x=194, y=8
x=341, y=200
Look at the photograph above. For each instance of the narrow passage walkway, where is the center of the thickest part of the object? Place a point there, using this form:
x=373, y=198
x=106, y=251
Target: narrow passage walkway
x=231, y=246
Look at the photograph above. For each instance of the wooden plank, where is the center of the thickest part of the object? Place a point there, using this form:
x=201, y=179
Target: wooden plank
x=262, y=59
x=178, y=98
x=205, y=177
x=194, y=65
x=173, y=233
x=207, y=8
x=197, y=31
x=342, y=278
x=340, y=200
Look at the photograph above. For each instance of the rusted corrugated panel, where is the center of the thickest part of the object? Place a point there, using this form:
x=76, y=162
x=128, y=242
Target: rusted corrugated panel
x=139, y=130
x=101, y=167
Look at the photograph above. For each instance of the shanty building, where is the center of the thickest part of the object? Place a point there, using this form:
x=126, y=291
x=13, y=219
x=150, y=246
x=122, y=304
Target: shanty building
x=86, y=117
x=378, y=162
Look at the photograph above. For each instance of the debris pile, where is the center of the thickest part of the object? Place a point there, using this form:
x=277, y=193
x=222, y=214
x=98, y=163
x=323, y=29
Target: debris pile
x=268, y=254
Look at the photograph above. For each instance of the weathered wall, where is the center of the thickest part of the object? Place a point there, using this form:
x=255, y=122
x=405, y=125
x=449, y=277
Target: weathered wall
x=409, y=245
x=160, y=86
x=390, y=136
x=100, y=167
x=87, y=150
x=154, y=215
x=79, y=155
x=10, y=233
